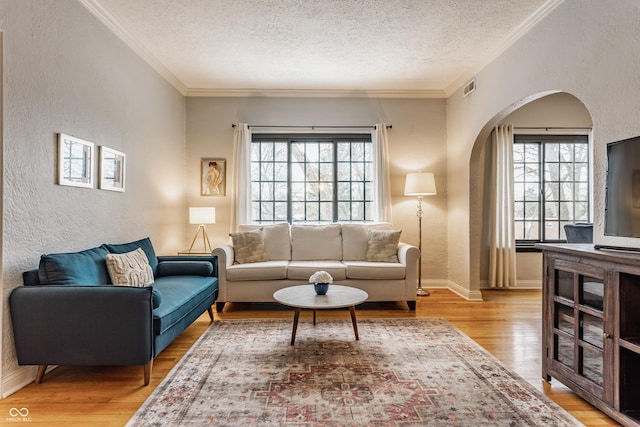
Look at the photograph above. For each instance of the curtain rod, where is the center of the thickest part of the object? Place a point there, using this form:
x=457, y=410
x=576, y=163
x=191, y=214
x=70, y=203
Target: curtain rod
x=551, y=127
x=314, y=127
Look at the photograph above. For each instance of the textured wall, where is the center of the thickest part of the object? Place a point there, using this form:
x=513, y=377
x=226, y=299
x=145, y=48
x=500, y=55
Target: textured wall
x=582, y=48
x=65, y=72
x=416, y=142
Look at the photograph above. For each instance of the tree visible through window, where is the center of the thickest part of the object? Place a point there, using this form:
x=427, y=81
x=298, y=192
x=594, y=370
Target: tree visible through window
x=551, y=185
x=319, y=178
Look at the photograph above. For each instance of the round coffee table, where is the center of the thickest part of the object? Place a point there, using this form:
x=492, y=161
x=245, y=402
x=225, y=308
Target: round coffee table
x=304, y=296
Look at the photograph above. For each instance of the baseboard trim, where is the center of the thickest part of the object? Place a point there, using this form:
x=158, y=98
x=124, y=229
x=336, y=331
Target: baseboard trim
x=520, y=284
x=20, y=378
x=461, y=291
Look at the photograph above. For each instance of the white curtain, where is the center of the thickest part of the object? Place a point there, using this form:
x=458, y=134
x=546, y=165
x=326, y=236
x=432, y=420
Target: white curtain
x=502, y=256
x=241, y=185
x=382, y=179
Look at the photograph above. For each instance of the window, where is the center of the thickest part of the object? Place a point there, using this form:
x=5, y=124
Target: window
x=551, y=185
x=319, y=178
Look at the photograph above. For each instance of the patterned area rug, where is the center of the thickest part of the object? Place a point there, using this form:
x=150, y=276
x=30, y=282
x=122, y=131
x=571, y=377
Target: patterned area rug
x=402, y=372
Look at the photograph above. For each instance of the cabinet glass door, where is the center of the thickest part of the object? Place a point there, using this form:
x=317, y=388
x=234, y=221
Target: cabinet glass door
x=578, y=326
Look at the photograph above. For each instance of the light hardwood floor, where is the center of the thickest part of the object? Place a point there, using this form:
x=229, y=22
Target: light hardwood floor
x=507, y=324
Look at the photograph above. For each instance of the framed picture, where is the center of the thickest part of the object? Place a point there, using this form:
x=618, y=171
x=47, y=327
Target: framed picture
x=112, y=168
x=75, y=161
x=213, y=177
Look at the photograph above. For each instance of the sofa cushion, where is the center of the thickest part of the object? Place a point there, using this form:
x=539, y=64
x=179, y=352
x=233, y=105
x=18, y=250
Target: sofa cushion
x=185, y=268
x=355, y=239
x=248, y=246
x=270, y=270
x=277, y=242
x=180, y=294
x=130, y=269
x=88, y=267
x=382, y=245
x=144, y=244
x=316, y=242
x=375, y=270
x=303, y=270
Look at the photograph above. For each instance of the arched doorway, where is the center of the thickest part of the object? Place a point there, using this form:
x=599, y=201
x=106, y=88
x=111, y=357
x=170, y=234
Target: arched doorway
x=547, y=112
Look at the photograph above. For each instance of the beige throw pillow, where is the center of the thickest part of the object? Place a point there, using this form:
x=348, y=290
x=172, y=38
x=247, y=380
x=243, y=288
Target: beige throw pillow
x=382, y=245
x=130, y=269
x=248, y=246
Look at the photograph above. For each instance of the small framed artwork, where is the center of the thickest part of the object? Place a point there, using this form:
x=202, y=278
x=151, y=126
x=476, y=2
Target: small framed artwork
x=213, y=177
x=75, y=161
x=112, y=169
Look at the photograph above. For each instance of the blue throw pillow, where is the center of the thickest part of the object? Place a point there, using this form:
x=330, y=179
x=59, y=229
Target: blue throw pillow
x=87, y=267
x=144, y=244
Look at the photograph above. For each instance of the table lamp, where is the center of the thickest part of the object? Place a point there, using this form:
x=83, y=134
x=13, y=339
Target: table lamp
x=202, y=216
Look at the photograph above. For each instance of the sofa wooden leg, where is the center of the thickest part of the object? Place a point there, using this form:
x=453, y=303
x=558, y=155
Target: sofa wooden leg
x=412, y=305
x=210, y=311
x=219, y=307
x=147, y=372
x=40, y=375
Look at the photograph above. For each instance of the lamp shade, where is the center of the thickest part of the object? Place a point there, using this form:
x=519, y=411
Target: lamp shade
x=420, y=184
x=202, y=215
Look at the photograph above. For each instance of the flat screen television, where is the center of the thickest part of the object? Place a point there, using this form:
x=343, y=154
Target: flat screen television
x=622, y=194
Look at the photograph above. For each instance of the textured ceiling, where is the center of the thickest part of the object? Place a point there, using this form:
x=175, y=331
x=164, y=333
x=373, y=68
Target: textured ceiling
x=427, y=46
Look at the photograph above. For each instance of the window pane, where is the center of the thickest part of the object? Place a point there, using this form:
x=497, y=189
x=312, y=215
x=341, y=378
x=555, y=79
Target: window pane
x=552, y=191
x=552, y=230
x=532, y=191
x=566, y=211
x=551, y=153
x=566, y=172
x=566, y=191
x=531, y=230
x=312, y=191
x=532, y=211
x=281, y=152
x=518, y=210
x=582, y=153
x=552, y=210
x=581, y=172
x=297, y=191
x=566, y=152
x=552, y=171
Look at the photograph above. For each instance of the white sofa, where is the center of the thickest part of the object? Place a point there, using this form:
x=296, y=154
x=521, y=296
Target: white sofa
x=294, y=252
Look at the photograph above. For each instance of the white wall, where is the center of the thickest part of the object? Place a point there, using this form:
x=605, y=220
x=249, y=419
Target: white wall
x=583, y=48
x=65, y=72
x=417, y=142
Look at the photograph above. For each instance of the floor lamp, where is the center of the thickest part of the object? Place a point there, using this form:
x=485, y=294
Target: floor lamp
x=420, y=184
x=202, y=216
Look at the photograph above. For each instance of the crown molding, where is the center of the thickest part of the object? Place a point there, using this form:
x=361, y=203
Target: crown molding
x=114, y=25
x=534, y=19
x=313, y=93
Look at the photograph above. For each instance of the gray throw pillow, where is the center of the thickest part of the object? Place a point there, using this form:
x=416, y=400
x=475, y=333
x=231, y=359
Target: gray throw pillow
x=248, y=246
x=382, y=245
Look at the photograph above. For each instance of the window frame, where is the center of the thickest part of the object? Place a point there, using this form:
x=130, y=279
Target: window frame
x=334, y=138
x=527, y=245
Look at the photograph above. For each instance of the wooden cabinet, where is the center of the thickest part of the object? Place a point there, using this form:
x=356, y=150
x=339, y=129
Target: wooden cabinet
x=591, y=325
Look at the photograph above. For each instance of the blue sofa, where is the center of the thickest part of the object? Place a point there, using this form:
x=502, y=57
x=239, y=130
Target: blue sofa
x=69, y=313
